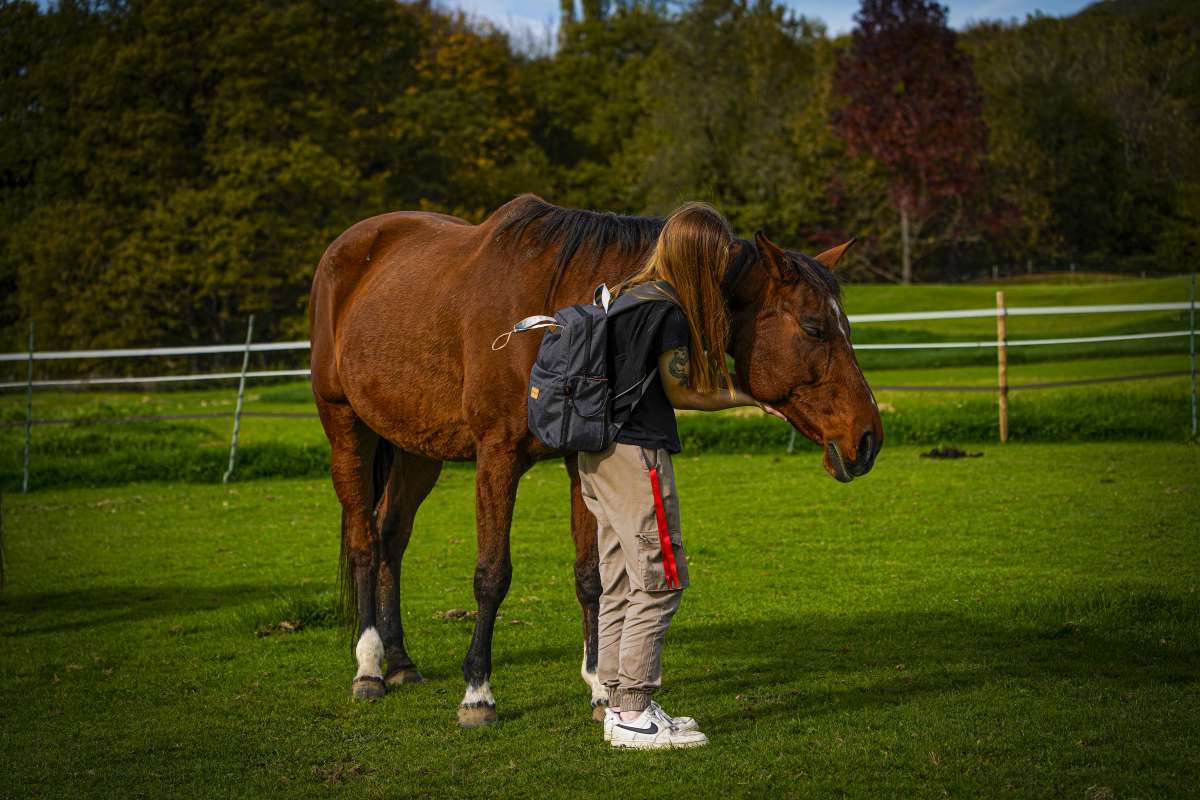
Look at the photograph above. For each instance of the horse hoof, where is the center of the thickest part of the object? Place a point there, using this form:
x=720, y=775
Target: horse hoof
x=477, y=715
x=367, y=688
x=396, y=677
x=598, y=711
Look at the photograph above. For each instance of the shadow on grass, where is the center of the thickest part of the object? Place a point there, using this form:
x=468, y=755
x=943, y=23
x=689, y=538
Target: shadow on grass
x=1119, y=639
x=1114, y=642
x=891, y=659
x=79, y=611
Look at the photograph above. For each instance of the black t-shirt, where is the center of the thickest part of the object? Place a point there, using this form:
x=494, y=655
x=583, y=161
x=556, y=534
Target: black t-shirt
x=644, y=333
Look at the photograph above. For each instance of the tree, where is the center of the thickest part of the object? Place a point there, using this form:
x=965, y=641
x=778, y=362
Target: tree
x=912, y=104
x=734, y=114
x=171, y=166
x=1090, y=139
x=587, y=99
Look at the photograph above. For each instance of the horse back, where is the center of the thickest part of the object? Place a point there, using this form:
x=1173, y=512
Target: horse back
x=402, y=309
x=366, y=252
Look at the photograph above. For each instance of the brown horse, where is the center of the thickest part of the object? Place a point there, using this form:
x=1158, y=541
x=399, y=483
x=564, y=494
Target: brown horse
x=403, y=309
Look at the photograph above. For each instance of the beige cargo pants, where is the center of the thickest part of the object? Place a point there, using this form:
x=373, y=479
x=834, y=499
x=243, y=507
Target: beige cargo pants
x=636, y=606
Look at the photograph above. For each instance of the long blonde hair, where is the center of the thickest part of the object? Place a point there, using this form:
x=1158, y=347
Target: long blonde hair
x=692, y=254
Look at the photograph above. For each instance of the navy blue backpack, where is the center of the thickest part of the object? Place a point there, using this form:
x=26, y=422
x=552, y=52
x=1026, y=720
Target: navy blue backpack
x=570, y=398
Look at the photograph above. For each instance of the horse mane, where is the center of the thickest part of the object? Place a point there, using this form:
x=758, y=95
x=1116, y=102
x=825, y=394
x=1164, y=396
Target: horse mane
x=577, y=232
x=807, y=269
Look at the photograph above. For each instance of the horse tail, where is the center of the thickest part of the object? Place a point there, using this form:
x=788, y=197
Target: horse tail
x=381, y=469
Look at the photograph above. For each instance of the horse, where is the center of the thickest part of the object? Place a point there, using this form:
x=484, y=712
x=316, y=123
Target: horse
x=403, y=310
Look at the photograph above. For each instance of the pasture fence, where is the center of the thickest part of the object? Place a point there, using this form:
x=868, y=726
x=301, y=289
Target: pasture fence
x=1002, y=388
x=1002, y=364
x=237, y=413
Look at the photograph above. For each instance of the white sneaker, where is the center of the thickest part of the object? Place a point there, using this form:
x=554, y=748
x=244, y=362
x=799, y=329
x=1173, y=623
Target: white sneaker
x=681, y=723
x=651, y=732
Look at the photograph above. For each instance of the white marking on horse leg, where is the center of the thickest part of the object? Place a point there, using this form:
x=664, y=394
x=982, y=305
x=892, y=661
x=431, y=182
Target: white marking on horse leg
x=479, y=695
x=369, y=652
x=599, y=690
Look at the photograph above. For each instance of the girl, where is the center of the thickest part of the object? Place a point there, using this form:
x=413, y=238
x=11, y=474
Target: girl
x=630, y=487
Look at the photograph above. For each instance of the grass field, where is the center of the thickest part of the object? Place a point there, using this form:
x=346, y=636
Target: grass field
x=1024, y=624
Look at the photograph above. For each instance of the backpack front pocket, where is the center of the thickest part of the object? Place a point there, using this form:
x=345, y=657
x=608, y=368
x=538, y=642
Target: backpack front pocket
x=586, y=421
x=547, y=407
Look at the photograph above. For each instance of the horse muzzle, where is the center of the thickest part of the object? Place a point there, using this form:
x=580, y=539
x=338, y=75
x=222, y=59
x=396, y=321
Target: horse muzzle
x=846, y=470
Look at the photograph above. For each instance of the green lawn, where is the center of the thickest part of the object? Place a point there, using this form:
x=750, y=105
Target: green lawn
x=878, y=298
x=1025, y=624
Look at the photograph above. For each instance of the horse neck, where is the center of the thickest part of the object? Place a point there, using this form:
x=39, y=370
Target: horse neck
x=577, y=282
x=743, y=293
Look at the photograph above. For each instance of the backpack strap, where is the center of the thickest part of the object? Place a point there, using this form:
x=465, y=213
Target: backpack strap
x=641, y=391
x=641, y=387
x=642, y=293
x=602, y=297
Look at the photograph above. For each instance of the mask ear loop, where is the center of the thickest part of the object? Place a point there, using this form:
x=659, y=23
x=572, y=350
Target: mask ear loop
x=527, y=324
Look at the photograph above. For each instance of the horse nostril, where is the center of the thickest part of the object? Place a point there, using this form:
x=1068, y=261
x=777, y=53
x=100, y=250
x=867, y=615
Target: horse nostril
x=865, y=444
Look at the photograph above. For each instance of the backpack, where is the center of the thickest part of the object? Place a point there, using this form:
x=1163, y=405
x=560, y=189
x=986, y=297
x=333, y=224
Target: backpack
x=570, y=399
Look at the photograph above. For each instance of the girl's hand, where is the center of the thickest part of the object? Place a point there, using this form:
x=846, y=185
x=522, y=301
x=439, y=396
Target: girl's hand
x=772, y=411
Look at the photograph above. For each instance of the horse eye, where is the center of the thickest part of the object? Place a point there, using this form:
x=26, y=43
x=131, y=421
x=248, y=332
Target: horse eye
x=814, y=332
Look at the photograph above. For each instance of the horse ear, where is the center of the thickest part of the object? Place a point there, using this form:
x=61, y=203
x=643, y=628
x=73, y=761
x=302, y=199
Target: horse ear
x=833, y=255
x=774, y=259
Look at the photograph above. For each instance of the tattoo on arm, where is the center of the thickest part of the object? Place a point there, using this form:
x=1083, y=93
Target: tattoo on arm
x=680, y=366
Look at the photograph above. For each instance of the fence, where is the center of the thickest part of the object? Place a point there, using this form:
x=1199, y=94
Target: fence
x=1001, y=313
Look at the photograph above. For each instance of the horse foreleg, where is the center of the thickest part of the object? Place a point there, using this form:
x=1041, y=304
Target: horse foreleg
x=412, y=478
x=497, y=473
x=587, y=588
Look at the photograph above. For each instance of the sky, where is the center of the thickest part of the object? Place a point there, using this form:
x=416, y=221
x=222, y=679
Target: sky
x=539, y=16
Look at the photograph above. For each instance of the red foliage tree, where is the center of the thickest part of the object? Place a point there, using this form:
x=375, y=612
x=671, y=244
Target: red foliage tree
x=913, y=105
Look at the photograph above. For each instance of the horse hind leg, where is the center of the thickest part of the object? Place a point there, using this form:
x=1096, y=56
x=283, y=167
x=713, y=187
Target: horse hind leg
x=587, y=589
x=412, y=478
x=356, y=454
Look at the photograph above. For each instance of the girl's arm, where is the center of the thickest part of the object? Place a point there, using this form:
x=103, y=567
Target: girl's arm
x=674, y=366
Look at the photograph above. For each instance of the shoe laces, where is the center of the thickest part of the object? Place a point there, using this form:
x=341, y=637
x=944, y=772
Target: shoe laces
x=657, y=712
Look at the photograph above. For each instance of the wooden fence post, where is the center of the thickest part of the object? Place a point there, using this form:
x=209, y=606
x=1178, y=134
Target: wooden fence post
x=28, y=412
x=237, y=411
x=1002, y=362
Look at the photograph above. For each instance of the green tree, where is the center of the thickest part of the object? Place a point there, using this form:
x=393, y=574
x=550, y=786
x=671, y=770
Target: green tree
x=587, y=100
x=734, y=101
x=1091, y=137
x=184, y=164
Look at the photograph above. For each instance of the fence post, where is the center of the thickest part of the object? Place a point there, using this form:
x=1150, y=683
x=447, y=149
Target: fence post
x=1002, y=362
x=792, y=442
x=237, y=411
x=1192, y=347
x=28, y=412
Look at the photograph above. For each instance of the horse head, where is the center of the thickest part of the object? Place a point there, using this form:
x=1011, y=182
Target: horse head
x=790, y=340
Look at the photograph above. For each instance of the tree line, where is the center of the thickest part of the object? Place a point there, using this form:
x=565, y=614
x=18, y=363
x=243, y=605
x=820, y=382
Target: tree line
x=168, y=167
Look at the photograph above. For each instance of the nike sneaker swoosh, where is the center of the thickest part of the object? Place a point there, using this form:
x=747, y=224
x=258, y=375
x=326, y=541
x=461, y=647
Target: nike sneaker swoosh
x=653, y=729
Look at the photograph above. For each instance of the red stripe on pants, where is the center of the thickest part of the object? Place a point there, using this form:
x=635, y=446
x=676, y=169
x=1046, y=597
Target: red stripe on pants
x=664, y=533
